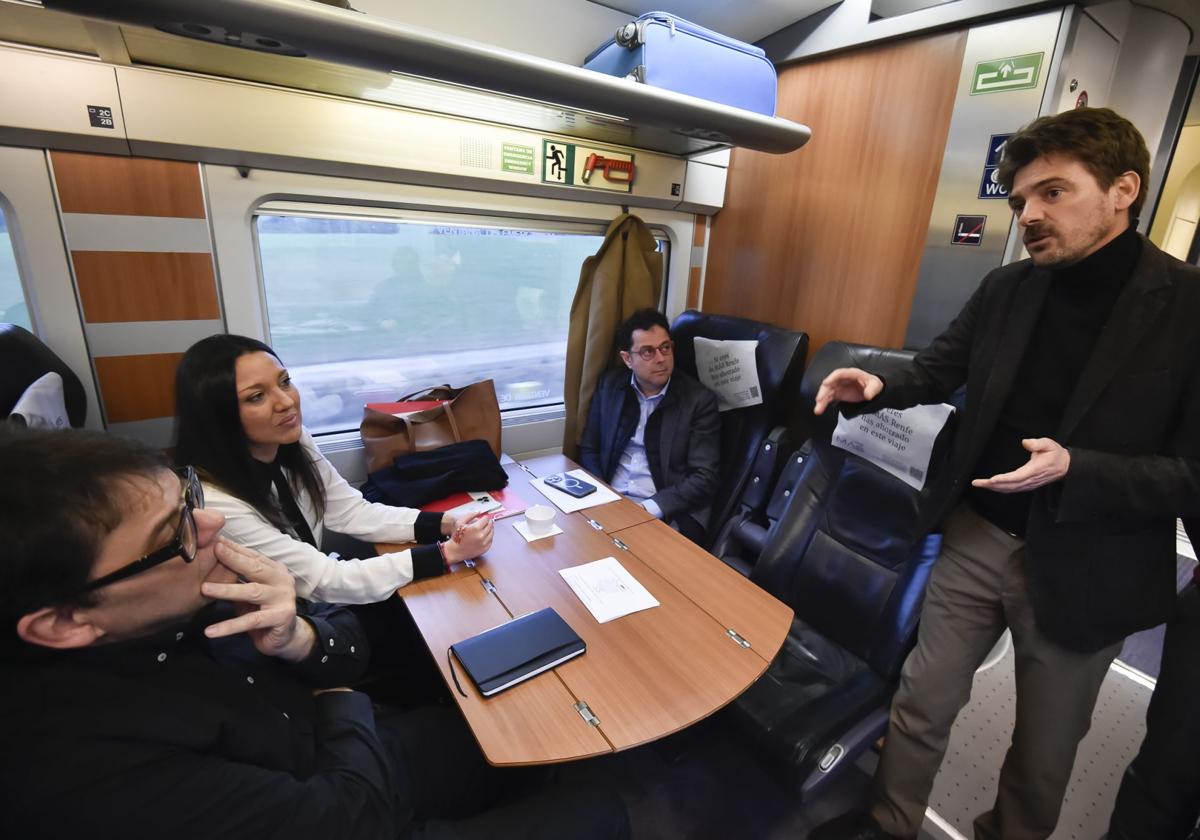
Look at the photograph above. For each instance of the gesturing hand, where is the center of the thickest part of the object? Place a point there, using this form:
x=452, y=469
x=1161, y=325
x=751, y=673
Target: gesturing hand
x=265, y=600
x=1048, y=462
x=847, y=385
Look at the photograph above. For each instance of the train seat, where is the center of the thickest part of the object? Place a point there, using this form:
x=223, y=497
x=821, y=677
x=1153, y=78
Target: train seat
x=24, y=359
x=780, y=361
x=848, y=556
x=763, y=501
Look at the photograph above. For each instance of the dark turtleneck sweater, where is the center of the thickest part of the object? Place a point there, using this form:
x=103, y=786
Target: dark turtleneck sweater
x=1080, y=299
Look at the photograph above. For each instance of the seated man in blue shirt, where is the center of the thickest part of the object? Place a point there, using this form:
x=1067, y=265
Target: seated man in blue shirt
x=654, y=433
x=159, y=681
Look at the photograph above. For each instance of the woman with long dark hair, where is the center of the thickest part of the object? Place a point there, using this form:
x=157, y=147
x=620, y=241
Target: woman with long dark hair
x=240, y=426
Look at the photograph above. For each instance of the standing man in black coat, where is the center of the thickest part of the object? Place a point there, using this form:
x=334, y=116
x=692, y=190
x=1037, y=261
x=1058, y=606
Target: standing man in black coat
x=1079, y=446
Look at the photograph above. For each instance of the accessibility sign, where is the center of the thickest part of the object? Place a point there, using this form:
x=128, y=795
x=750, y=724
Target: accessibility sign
x=1018, y=72
x=968, y=230
x=990, y=186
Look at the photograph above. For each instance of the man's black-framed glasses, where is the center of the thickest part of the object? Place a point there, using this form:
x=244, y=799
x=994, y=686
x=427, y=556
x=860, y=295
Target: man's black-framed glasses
x=648, y=353
x=183, y=544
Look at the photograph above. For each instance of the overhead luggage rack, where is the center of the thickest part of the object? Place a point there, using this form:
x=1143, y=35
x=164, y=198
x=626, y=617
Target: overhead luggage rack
x=509, y=85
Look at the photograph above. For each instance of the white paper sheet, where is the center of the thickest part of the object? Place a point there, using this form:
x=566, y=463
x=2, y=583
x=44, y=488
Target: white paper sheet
x=607, y=589
x=728, y=369
x=523, y=529
x=899, y=442
x=569, y=504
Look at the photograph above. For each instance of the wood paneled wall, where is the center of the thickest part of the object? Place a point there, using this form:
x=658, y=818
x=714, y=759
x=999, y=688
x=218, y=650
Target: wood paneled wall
x=828, y=239
x=141, y=254
x=127, y=186
x=141, y=286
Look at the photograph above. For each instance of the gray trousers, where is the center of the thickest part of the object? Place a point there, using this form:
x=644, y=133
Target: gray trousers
x=976, y=589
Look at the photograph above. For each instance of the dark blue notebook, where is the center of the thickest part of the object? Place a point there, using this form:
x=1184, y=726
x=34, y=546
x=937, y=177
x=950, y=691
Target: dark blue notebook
x=517, y=650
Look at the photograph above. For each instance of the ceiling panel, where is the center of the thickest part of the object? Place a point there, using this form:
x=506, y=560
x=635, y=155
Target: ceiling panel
x=25, y=23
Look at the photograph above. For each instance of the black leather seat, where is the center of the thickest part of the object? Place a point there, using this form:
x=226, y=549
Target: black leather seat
x=764, y=499
x=848, y=557
x=780, y=360
x=24, y=359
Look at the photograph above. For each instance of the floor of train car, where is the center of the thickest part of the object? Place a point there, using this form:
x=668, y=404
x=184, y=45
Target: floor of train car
x=709, y=782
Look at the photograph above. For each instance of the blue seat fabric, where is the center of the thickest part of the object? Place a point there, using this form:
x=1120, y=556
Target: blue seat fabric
x=849, y=557
x=780, y=360
x=763, y=501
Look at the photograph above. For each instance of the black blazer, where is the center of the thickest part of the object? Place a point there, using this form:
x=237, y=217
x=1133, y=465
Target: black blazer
x=682, y=440
x=1100, y=544
x=188, y=737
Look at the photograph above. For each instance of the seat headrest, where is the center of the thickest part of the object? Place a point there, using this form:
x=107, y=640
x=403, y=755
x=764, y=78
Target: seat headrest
x=856, y=485
x=23, y=360
x=841, y=354
x=778, y=347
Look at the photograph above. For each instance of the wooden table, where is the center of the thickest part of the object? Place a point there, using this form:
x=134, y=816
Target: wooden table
x=645, y=675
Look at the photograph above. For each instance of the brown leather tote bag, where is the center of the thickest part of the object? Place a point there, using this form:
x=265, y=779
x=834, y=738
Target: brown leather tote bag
x=470, y=413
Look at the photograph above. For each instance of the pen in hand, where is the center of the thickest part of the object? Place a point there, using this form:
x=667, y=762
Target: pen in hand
x=462, y=526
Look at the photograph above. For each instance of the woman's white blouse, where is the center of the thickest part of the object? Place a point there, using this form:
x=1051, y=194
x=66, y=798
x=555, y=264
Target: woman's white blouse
x=320, y=577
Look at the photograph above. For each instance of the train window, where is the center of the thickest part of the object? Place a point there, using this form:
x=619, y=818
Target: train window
x=14, y=309
x=365, y=309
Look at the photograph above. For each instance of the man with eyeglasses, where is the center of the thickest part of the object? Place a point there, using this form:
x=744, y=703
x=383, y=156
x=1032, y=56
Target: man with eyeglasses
x=159, y=681
x=654, y=433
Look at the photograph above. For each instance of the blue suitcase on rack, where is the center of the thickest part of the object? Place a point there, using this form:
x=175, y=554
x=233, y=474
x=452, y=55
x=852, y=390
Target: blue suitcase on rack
x=666, y=51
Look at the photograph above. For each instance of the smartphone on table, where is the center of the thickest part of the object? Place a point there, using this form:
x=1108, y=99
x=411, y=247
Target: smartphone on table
x=570, y=485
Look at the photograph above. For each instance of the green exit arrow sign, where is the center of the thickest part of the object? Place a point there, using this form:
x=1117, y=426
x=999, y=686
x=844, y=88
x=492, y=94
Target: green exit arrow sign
x=1018, y=72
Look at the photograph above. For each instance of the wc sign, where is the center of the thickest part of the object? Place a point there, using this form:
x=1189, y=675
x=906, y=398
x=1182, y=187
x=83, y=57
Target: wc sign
x=989, y=185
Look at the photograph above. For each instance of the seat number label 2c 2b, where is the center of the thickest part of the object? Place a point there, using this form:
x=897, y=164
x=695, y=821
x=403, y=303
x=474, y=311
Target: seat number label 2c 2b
x=100, y=116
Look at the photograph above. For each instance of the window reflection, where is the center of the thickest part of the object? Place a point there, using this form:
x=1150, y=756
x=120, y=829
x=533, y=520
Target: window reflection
x=14, y=309
x=366, y=310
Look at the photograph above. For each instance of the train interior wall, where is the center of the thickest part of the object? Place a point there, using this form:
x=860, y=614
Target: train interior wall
x=145, y=255
x=1177, y=219
x=850, y=237
x=829, y=240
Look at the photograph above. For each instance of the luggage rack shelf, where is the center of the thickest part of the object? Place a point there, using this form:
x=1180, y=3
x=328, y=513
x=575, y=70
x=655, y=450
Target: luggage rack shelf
x=478, y=80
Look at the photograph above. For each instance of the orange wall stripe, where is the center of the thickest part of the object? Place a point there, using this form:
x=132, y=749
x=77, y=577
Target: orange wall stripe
x=693, y=295
x=126, y=186
x=137, y=387
x=143, y=286
x=699, y=230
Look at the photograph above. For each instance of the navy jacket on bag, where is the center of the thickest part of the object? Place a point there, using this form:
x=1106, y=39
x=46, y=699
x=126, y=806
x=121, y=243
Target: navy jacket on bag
x=420, y=478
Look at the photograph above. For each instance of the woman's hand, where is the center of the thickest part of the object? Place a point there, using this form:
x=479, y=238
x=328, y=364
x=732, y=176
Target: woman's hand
x=475, y=539
x=449, y=523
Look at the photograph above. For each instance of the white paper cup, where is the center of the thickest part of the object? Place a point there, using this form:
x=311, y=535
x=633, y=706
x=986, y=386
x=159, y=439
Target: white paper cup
x=539, y=519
